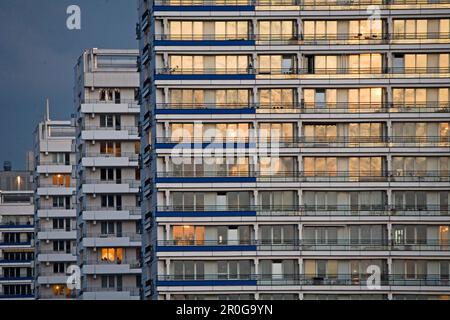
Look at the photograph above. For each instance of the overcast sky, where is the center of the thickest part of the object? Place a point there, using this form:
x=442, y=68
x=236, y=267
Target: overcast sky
x=37, y=56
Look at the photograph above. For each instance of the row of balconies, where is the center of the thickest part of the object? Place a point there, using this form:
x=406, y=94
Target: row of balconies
x=308, y=4
x=319, y=142
x=290, y=72
x=311, y=108
x=316, y=176
x=313, y=210
x=362, y=281
x=310, y=39
x=332, y=247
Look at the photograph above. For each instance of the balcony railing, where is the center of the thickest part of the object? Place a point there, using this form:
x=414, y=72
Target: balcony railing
x=204, y=37
x=132, y=209
x=314, y=210
x=133, y=183
x=315, y=245
x=135, y=292
x=132, y=130
x=304, y=71
x=50, y=184
x=130, y=155
x=316, y=39
x=353, y=279
x=326, y=107
x=113, y=101
x=52, y=207
x=305, y=4
x=130, y=235
x=51, y=229
x=133, y=263
x=319, y=176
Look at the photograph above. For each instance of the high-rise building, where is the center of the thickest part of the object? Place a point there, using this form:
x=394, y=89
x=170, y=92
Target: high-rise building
x=295, y=149
x=16, y=234
x=55, y=209
x=108, y=175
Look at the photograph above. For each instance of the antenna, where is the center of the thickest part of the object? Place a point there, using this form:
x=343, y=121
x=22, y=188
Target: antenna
x=47, y=110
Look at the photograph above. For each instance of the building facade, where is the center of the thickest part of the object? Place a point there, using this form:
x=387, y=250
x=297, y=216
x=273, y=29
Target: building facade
x=16, y=235
x=295, y=149
x=55, y=208
x=108, y=175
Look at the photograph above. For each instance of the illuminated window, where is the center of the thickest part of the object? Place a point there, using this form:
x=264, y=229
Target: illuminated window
x=113, y=255
x=188, y=235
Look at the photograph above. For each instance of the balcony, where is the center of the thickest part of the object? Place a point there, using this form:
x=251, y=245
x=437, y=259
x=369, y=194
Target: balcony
x=109, y=133
x=360, y=281
x=306, y=108
x=318, y=247
x=204, y=39
x=132, y=183
x=98, y=266
x=98, y=211
x=206, y=245
x=305, y=4
x=306, y=210
x=302, y=39
x=167, y=73
x=118, y=159
x=119, y=293
x=205, y=176
x=292, y=72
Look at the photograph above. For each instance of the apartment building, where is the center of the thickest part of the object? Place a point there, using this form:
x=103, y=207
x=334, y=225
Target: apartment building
x=55, y=209
x=16, y=235
x=108, y=175
x=295, y=149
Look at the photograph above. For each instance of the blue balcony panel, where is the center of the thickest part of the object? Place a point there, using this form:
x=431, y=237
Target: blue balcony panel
x=168, y=214
x=205, y=77
x=203, y=8
x=206, y=180
x=204, y=43
x=206, y=248
x=198, y=283
x=207, y=111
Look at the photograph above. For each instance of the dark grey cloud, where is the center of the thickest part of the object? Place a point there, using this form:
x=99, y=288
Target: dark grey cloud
x=37, y=55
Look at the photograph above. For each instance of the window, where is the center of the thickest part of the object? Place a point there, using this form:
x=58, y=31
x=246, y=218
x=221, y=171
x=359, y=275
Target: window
x=109, y=228
x=61, y=180
x=112, y=255
x=59, y=268
x=231, y=30
x=107, y=201
x=108, y=282
x=188, y=235
x=106, y=121
x=107, y=174
x=276, y=64
x=277, y=98
x=186, y=30
x=232, y=64
x=232, y=98
x=187, y=98
x=110, y=148
x=276, y=132
x=283, y=166
x=187, y=64
x=276, y=30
